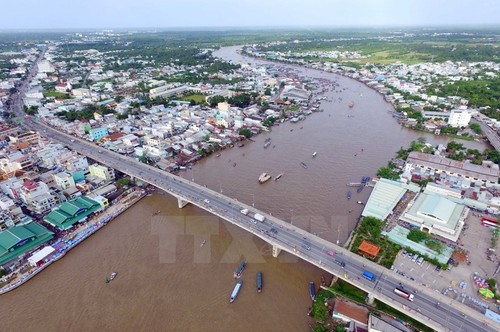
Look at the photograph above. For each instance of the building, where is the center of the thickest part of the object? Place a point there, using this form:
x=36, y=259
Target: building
x=102, y=172
x=459, y=118
x=385, y=196
x=64, y=180
x=377, y=324
x=436, y=215
x=436, y=165
x=16, y=241
x=369, y=249
x=72, y=212
x=354, y=314
x=98, y=133
x=165, y=91
x=42, y=203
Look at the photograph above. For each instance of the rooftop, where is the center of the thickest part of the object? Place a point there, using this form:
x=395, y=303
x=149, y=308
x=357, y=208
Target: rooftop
x=453, y=166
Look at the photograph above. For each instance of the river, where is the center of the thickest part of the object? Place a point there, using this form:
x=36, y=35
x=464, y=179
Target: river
x=167, y=281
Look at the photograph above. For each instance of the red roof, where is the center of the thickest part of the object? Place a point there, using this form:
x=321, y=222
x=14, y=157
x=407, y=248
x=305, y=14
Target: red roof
x=30, y=184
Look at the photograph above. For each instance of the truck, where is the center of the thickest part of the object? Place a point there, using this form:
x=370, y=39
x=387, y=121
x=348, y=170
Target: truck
x=404, y=294
x=244, y=211
x=259, y=217
x=368, y=275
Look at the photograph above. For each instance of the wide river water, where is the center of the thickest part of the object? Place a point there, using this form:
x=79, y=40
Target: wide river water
x=168, y=281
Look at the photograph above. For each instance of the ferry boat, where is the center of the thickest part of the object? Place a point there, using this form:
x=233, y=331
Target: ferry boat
x=312, y=290
x=259, y=282
x=349, y=194
x=239, y=270
x=278, y=176
x=236, y=290
x=264, y=177
x=314, y=154
x=303, y=164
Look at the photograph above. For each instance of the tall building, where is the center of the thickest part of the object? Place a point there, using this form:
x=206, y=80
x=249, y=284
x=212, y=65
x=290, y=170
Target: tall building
x=459, y=118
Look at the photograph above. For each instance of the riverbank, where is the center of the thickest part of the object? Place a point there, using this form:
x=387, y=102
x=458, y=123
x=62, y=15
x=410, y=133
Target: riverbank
x=72, y=239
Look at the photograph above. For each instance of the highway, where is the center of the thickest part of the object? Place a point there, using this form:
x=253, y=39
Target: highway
x=430, y=307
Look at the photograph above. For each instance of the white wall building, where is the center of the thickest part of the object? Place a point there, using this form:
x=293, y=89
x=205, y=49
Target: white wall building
x=459, y=118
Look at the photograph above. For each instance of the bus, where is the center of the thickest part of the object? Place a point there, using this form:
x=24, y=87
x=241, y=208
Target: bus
x=370, y=276
x=404, y=294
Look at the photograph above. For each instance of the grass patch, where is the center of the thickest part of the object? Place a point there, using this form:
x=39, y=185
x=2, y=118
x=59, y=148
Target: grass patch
x=55, y=94
x=198, y=99
x=349, y=291
x=396, y=313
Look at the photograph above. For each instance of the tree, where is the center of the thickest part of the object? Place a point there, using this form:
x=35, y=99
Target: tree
x=476, y=128
x=417, y=235
x=215, y=100
x=246, y=132
x=123, y=182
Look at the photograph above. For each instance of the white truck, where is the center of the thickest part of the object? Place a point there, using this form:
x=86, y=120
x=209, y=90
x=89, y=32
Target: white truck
x=244, y=211
x=259, y=217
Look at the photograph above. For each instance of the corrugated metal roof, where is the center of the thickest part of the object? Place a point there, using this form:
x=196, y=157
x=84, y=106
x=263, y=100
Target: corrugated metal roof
x=384, y=197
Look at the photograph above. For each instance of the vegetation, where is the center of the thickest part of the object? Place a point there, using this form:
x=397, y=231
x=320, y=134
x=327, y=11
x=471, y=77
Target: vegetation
x=349, y=291
x=370, y=229
x=196, y=99
x=56, y=94
x=319, y=311
x=419, y=236
x=246, y=132
x=389, y=172
x=123, y=182
x=396, y=313
x=476, y=127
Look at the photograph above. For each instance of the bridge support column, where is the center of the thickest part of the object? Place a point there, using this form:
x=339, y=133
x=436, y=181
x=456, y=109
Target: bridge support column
x=276, y=251
x=370, y=298
x=181, y=203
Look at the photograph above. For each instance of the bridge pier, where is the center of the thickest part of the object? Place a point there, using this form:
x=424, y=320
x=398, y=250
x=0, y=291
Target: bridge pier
x=276, y=251
x=370, y=298
x=181, y=203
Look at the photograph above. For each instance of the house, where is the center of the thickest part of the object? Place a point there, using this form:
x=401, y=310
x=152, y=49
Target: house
x=98, y=133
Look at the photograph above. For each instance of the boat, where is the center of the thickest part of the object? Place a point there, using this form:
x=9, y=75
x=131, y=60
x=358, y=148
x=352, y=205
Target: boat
x=111, y=277
x=351, y=104
x=264, y=177
x=203, y=243
x=241, y=145
x=268, y=139
x=349, y=194
x=314, y=154
x=240, y=269
x=259, y=282
x=236, y=290
x=303, y=164
x=312, y=290
x=217, y=155
x=278, y=176
x=267, y=145
x=360, y=188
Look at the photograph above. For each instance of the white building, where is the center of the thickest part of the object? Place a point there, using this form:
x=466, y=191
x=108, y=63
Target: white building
x=459, y=118
x=64, y=180
x=102, y=172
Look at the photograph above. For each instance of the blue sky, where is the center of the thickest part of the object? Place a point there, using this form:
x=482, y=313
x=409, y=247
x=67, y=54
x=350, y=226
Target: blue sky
x=77, y=14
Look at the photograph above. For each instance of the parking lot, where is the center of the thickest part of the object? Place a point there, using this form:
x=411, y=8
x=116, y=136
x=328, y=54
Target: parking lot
x=457, y=283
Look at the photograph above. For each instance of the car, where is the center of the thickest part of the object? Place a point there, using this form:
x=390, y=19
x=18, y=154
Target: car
x=405, y=252
x=306, y=246
x=330, y=253
x=438, y=268
x=72, y=141
x=414, y=259
x=340, y=263
x=206, y=201
x=420, y=260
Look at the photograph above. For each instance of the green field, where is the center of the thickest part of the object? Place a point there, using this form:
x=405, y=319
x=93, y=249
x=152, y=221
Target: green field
x=55, y=94
x=198, y=99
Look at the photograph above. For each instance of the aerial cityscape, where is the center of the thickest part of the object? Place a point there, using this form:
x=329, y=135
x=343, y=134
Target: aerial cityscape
x=281, y=169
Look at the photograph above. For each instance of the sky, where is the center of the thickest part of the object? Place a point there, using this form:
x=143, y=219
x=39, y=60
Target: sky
x=98, y=14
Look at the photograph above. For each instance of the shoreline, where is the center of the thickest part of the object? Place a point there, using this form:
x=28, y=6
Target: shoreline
x=90, y=230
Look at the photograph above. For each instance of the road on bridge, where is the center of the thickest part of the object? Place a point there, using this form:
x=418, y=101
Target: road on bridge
x=429, y=307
